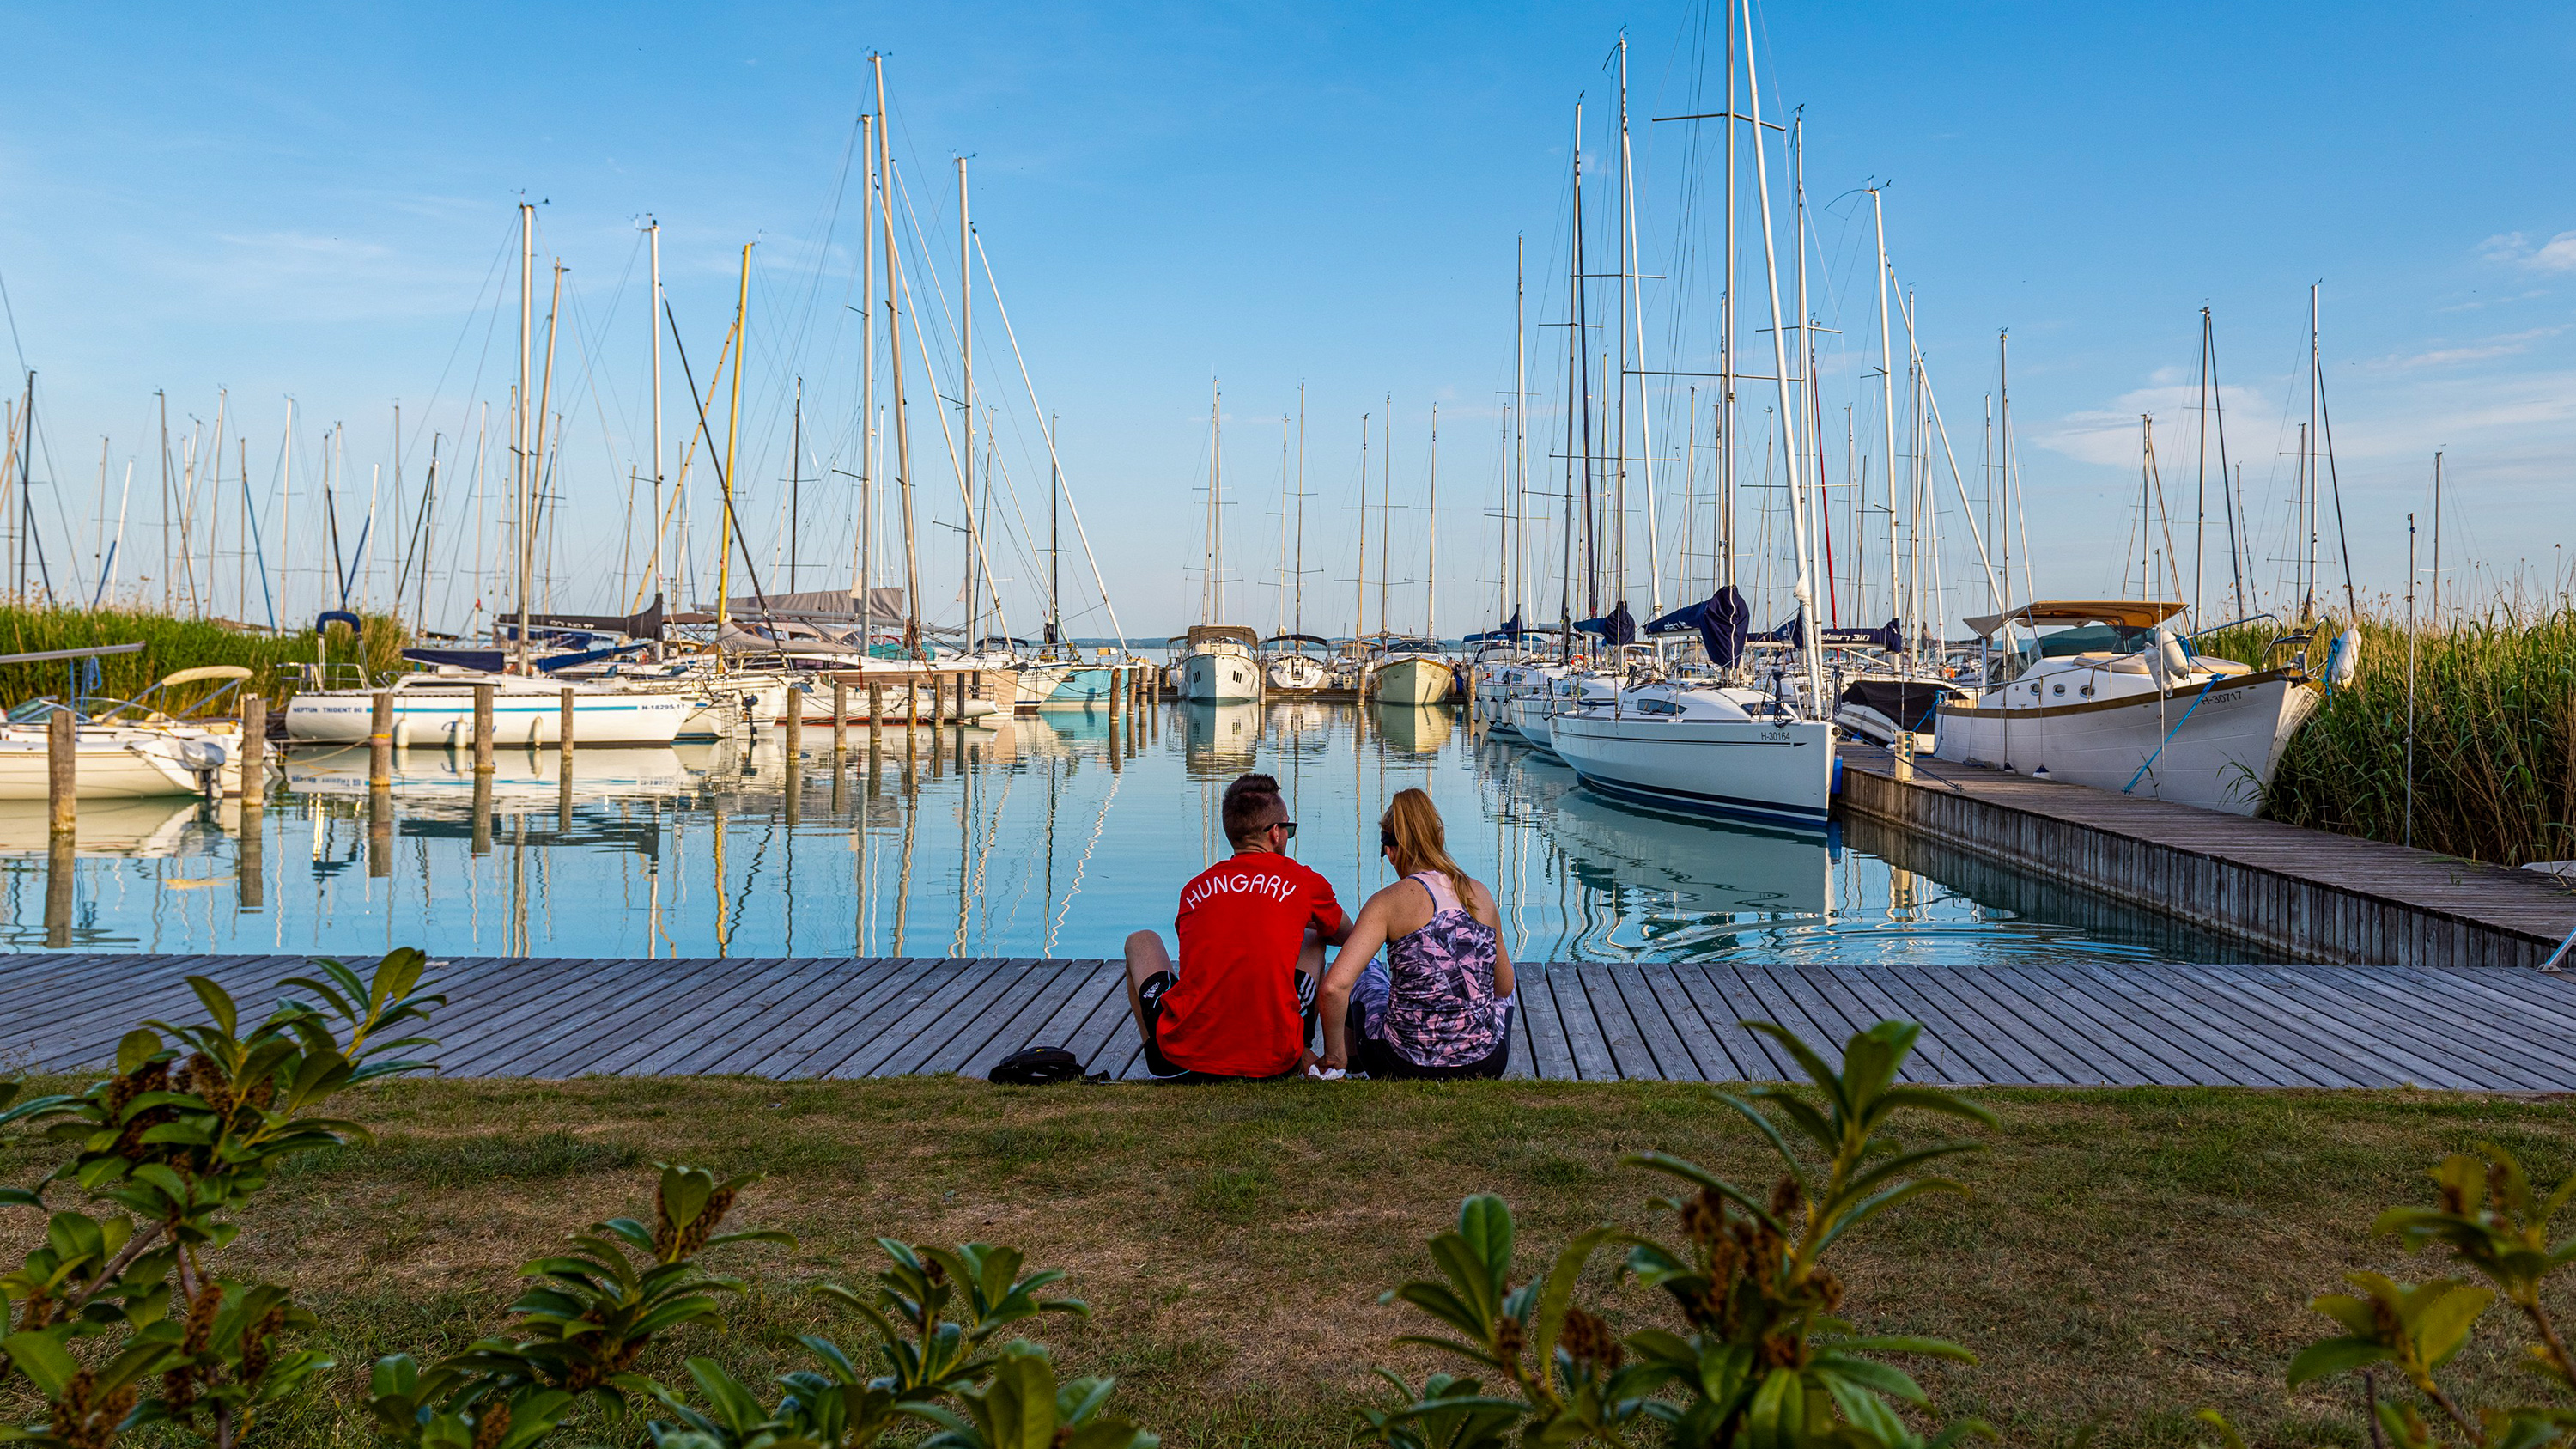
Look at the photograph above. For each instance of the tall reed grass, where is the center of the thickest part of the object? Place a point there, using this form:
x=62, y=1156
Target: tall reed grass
x=2495, y=738
x=170, y=645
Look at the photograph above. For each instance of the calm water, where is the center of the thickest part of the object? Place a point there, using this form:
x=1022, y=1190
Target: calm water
x=1035, y=838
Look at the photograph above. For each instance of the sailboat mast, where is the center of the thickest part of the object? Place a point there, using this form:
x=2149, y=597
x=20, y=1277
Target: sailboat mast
x=1726, y=329
x=1055, y=549
x=1210, y=604
x=1385, y=514
x=733, y=435
x=795, y=482
x=1359, y=579
x=1803, y=588
x=1886, y=395
x=966, y=400
x=1520, y=424
x=653, y=323
x=1431, y=535
x=1635, y=307
x=522, y=444
x=867, y=381
x=1299, y=618
x=1580, y=375
x=1279, y=614
x=894, y=350
x=1619, y=393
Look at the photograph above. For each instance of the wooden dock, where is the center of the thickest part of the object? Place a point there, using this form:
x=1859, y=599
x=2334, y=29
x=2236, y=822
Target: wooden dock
x=2302, y=894
x=2049, y=1024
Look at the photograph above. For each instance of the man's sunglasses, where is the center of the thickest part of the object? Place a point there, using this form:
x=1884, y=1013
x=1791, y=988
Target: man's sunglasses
x=1289, y=826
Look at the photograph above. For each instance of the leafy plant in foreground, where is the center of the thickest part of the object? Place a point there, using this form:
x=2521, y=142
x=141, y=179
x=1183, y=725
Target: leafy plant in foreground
x=112, y=1305
x=935, y=1313
x=1761, y=1356
x=2491, y=1220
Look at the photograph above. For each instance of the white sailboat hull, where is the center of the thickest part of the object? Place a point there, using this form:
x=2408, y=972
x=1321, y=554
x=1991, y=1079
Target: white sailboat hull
x=2215, y=747
x=1220, y=677
x=1412, y=679
x=1750, y=769
x=1295, y=674
x=444, y=718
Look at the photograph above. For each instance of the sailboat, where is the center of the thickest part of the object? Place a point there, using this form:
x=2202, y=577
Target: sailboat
x=1699, y=745
x=1219, y=663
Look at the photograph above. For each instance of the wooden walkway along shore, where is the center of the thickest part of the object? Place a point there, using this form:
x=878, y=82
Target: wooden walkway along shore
x=2299, y=894
x=2032, y=1024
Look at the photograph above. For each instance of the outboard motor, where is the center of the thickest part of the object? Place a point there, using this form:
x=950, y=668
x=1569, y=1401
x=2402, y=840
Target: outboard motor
x=205, y=760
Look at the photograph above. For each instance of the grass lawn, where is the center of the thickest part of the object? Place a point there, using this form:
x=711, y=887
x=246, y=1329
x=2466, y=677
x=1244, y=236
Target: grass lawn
x=2130, y=1254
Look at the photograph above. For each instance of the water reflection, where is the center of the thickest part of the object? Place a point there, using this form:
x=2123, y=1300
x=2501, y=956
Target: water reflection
x=1051, y=834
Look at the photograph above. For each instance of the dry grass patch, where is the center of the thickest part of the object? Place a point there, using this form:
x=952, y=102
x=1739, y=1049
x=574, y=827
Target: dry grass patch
x=2131, y=1254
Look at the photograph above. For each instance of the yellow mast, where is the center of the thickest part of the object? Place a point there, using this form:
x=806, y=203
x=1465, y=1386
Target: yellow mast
x=733, y=431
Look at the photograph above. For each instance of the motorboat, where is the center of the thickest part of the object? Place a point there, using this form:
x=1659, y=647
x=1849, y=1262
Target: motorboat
x=1218, y=665
x=109, y=762
x=2103, y=693
x=1698, y=746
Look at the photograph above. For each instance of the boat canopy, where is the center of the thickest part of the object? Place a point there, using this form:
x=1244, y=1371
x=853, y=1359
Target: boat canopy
x=1721, y=620
x=1313, y=639
x=1216, y=633
x=479, y=661
x=2120, y=613
x=1618, y=626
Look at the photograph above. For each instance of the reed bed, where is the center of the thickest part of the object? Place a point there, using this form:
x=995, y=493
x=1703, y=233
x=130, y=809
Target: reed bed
x=169, y=645
x=2495, y=737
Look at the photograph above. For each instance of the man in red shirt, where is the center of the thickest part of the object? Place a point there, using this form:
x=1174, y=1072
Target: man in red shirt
x=1253, y=928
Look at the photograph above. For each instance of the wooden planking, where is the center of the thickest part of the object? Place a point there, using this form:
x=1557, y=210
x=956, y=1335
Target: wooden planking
x=2309, y=894
x=2040, y=1022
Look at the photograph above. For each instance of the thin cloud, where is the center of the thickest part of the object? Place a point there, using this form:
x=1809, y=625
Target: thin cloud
x=2504, y=346
x=2512, y=248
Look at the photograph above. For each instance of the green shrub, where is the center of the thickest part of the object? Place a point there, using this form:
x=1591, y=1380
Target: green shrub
x=121, y=1321
x=1760, y=1356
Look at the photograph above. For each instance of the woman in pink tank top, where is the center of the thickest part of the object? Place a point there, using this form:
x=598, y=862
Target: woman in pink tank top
x=1440, y=1005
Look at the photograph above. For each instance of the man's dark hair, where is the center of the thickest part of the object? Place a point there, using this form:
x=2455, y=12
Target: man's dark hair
x=1249, y=806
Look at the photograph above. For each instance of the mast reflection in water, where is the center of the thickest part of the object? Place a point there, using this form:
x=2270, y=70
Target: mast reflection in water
x=1053, y=834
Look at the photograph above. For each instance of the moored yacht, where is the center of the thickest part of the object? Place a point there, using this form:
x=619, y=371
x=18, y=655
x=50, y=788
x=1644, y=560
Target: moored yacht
x=2105, y=694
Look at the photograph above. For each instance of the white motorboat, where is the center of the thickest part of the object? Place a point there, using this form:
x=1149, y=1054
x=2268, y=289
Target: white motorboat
x=1218, y=665
x=436, y=710
x=1685, y=745
x=110, y=762
x=1411, y=676
x=2110, y=697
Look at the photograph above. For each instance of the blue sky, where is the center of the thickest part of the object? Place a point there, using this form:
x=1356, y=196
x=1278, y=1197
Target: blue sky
x=312, y=202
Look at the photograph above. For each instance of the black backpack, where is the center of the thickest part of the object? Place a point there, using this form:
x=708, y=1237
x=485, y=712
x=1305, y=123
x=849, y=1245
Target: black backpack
x=1038, y=1067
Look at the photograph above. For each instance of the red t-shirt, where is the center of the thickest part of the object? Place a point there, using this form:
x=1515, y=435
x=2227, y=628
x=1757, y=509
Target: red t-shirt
x=1232, y=1008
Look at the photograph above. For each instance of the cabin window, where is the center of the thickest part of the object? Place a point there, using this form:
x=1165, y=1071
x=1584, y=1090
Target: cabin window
x=2058, y=689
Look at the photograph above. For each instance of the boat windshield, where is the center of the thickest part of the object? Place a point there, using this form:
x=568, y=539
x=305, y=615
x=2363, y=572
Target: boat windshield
x=2093, y=639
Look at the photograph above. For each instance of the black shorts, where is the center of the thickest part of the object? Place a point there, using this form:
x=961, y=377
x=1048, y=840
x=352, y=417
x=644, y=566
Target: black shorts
x=1162, y=1068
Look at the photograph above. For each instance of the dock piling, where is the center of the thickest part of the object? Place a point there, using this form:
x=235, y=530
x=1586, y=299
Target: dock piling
x=254, y=750
x=62, y=774
x=483, y=695
x=563, y=733
x=876, y=715
x=793, y=725
x=840, y=718
x=482, y=805
x=380, y=742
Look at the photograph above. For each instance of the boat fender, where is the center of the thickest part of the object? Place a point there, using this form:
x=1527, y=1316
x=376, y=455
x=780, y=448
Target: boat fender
x=1838, y=776
x=2343, y=661
x=2176, y=659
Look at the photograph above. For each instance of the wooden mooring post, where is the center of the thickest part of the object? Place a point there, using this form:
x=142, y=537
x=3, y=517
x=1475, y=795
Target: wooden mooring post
x=254, y=752
x=483, y=695
x=840, y=718
x=380, y=742
x=62, y=774
x=563, y=733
